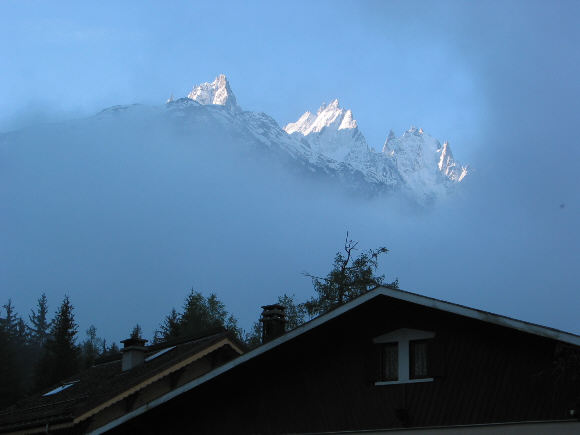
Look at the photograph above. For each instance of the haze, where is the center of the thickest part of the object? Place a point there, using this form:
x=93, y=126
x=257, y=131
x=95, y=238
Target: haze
x=127, y=218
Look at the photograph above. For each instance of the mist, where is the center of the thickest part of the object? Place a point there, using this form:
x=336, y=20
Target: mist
x=125, y=212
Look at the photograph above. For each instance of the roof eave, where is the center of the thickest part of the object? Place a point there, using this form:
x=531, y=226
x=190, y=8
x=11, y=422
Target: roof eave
x=415, y=298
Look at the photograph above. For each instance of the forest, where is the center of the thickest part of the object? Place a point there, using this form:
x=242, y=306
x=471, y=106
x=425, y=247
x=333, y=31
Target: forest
x=40, y=350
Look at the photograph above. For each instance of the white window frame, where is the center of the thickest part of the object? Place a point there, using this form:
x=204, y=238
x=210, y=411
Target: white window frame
x=403, y=336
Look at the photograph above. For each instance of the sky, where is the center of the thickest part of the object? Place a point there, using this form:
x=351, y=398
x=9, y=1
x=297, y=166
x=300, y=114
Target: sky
x=498, y=80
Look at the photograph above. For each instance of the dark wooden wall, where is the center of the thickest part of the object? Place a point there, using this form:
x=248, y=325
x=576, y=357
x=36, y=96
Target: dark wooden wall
x=324, y=381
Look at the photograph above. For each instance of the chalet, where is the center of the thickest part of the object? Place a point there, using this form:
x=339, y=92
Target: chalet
x=113, y=386
x=389, y=361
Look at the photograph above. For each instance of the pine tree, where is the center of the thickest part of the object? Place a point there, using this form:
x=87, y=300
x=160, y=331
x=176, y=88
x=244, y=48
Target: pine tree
x=40, y=325
x=111, y=350
x=90, y=348
x=195, y=317
x=61, y=357
x=21, y=332
x=16, y=359
x=199, y=315
x=11, y=321
x=136, y=332
x=169, y=328
x=10, y=376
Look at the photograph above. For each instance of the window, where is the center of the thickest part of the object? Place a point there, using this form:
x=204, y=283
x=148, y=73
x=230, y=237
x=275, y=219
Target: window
x=418, y=359
x=390, y=362
x=404, y=356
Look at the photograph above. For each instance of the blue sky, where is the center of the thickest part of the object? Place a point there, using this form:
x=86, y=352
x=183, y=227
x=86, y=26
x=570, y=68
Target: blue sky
x=431, y=64
x=393, y=64
x=499, y=80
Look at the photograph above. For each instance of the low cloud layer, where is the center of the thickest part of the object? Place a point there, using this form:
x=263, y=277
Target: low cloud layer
x=126, y=216
x=126, y=213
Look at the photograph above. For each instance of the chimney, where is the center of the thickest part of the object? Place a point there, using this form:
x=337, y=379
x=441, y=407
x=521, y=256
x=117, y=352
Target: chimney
x=273, y=322
x=133, y=353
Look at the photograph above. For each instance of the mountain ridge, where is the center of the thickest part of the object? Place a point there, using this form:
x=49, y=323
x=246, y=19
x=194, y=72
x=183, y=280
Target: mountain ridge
x=414, y=162
x=328, y=143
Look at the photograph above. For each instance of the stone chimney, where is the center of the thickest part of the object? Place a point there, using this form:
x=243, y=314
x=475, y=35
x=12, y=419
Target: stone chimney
x=273, y=322
x=133, y=353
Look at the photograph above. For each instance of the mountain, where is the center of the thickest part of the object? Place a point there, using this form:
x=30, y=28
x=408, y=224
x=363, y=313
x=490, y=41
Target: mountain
x=332, y=132
x=414, y=162
x=327, y=144
x=217, y=92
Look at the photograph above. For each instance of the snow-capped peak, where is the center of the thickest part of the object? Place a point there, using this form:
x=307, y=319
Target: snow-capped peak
x=332, y=132
x=328, y=115
x=217, y=92
x=448, y=166
x=330, y=139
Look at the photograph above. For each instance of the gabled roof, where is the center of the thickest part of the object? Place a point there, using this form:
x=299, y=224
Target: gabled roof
x=401, y=295
x=82, y=396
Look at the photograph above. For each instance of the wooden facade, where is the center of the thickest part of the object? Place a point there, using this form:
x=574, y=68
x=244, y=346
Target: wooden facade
x=323, y=380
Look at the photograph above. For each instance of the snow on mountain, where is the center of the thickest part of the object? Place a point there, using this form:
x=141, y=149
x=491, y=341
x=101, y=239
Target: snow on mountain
x=448, y=166
x=327, y=116
x=425, y=165
x=332, y=132
x=330, y=142
x=416, y=160
x=217, y=92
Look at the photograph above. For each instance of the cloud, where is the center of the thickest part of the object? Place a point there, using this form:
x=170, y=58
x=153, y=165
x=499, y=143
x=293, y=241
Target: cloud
x=126, y=212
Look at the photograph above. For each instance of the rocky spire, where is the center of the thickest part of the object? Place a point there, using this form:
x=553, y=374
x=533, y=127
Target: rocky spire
x=328, y=115
x=217, y=92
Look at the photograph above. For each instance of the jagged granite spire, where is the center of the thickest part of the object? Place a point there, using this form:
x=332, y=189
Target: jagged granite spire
x=332, y=132
x=217, y=92
x=415, y=161
x=328, y=115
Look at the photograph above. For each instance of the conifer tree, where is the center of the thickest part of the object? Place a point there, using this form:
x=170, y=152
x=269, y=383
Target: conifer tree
x=21, y=332
x=200, y=313
x=136, y=332
x=11, y=322
x=61, y=355
x=110, y=350
x=10, y=373
x=169, y=328
x=196, y=316
x=39, y=323
x=90, y=348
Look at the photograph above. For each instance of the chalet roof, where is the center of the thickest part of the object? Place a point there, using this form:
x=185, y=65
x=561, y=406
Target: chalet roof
x=380, y=291
x=104, y=384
